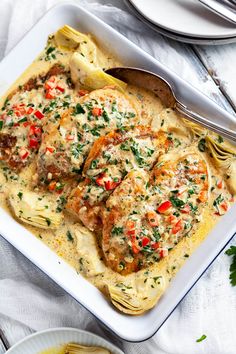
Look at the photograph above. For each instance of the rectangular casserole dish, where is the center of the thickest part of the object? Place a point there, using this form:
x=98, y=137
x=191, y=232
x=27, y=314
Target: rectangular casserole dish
x=129, y=328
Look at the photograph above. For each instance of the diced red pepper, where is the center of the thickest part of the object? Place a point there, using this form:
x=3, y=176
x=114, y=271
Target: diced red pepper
x=16, y=124
x=83, y=92
x=50, y=83
x=24, y=154
x=35, y=130
x=220, y=184
x=163, y=207
x=177, y=227
x=135, y=249
x=33, y=143
x=96, y=111
x=61, y=89
x=224, y=206
x=202, y=196
x=130, y=228
x=163, y=253
x=70, y=137
x=110, y=185
x=145, y=241
x=100, y=180
x=50, y=149
x=30, y=110
x=25, y=124
x=38, y=114
x=155, y=245
x=52, y=185
x=171, y=219
x=49, y=95
x=186, y=209
x=19, y=109
x=152, y=218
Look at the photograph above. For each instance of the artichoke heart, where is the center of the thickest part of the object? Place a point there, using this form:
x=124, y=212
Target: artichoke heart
x=89, y=76
x=68, y=38
x=89, y=258
x=74, y=348
x=224, y=155
x=34, y=209
x=140, y=295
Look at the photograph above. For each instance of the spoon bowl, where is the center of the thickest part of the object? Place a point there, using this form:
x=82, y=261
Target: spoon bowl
x=164, y=91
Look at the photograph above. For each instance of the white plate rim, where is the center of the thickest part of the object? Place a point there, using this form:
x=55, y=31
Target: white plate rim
x=100, y=340
x=164, y=25
x=175, y=36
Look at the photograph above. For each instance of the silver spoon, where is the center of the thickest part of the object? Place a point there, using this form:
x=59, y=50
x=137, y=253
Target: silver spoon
x=164, y=91
x=223, y=8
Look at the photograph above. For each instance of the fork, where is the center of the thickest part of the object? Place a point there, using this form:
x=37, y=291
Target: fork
x=4, y=345
x=223, y=8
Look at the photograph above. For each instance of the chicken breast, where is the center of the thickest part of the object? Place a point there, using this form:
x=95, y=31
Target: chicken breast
x=25, y=112
x=66, y=145
x=110, y=159
x=147, y=215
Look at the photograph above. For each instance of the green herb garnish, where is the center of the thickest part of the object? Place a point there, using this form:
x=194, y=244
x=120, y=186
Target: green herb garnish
x=232, y=252
x=201, y=338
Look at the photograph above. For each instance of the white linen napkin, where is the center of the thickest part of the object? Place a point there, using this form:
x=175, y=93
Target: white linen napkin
x=29, y=298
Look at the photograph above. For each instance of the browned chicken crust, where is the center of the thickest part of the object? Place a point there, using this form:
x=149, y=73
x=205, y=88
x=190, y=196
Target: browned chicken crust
x=147, y=216
x=110, y=159
x=65, y=145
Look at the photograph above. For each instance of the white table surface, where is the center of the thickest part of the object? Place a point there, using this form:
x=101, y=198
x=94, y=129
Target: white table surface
x=213, y=70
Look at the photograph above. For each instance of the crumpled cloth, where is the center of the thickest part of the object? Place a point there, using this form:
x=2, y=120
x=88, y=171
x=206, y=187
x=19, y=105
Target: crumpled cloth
x=29, y=299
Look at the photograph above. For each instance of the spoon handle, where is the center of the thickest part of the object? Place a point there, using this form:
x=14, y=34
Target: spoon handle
x=197, y=118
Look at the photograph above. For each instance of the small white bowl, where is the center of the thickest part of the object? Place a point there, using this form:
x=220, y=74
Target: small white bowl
x=56, y=337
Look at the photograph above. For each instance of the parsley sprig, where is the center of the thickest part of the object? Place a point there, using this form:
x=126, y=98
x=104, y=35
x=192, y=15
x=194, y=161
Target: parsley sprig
x=232, y=252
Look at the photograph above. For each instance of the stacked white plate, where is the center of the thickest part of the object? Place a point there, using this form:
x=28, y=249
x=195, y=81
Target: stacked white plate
x=184, y=20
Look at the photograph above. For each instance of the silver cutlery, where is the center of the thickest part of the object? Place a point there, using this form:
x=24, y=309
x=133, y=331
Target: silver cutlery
x=168, y=96
x=223, y=8
x=4, y=345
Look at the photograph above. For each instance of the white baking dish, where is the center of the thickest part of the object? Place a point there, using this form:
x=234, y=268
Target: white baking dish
x=127, y=327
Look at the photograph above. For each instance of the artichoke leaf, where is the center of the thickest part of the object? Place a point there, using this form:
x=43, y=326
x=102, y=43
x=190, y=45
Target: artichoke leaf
x=68, y=38
x=224, y=156
x=197, y=129
x=139, y=295
x=89, y=76
x=74, y=348
x=125, y=300
x=34, y=209
x=89, y=258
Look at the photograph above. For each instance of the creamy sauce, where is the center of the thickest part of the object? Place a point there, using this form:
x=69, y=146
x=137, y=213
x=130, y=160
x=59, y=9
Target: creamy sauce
x=64, y=242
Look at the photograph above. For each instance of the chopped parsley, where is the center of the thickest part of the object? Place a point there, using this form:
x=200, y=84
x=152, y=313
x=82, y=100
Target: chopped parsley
x=178, y=203
x=117, y=230
x=203, y=337
x=202, y=145
x=78, y=109
x=232, y=252
x=69, y=236
x=77, y=150
x=48, y=221
x=20, y=195
x=94, y=164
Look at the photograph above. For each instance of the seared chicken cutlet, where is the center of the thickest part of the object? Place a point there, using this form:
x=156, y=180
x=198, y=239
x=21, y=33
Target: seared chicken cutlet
x=66, y=145
x=147, y=215
x=110, y=159
x=25, y=113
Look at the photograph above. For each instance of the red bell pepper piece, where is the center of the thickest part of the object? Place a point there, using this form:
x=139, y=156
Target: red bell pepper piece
x=163, y=207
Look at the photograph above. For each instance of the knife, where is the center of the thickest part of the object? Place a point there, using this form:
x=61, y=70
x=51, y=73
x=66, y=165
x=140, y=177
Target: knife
x=223, y=8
